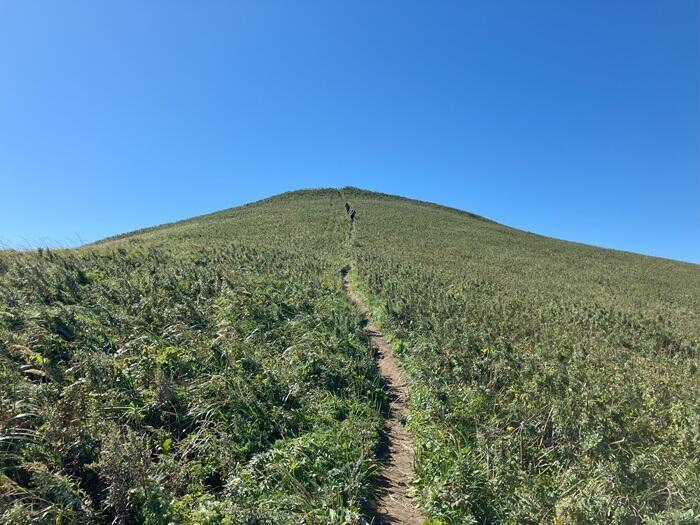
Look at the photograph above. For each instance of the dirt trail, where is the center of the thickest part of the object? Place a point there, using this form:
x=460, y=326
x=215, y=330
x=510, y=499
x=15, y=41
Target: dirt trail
x=395, y=504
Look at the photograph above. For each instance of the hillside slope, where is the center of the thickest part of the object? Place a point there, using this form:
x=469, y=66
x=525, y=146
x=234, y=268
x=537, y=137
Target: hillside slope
x=212, y=370
x=551, y=381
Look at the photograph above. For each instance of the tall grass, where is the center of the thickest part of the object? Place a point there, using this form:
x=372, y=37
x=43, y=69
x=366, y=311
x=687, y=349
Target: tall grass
x=212, y=371
x=203, y=377
x=551, y=382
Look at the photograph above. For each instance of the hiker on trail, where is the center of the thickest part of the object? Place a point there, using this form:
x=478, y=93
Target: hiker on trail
x=352, y=215
x=347, y=208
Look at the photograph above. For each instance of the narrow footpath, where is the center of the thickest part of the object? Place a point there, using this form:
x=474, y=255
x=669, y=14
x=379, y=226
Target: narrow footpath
x=394, y=504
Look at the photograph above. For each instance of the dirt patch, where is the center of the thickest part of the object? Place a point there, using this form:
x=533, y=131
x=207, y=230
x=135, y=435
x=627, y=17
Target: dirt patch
x=394, y=503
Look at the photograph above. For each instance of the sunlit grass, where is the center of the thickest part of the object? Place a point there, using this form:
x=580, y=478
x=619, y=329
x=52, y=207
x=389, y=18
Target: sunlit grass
x=212, y=371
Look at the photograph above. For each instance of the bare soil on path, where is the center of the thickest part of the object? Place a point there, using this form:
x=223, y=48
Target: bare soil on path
x=395, y=503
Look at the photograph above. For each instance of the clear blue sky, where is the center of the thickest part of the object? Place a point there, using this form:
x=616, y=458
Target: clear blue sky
x=577, y=120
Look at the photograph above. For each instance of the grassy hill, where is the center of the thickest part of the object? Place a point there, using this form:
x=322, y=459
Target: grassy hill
x=213, y=371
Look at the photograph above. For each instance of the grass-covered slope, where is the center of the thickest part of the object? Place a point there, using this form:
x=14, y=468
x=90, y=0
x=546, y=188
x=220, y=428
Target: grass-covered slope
x=552, y=382
x=211, y=371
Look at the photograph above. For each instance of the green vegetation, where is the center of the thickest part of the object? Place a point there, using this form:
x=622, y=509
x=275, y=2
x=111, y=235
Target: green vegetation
x=208, y=374
x=212, y=371
x=551, y=382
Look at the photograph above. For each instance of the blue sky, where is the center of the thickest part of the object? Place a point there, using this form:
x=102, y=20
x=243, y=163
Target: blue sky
x=577, y=120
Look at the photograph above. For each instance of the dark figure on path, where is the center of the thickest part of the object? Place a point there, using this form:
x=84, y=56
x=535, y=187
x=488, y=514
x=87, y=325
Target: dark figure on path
x=347, y=208
x=352, y=215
